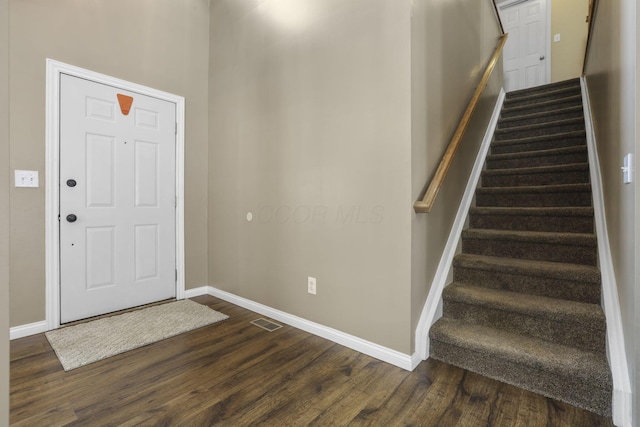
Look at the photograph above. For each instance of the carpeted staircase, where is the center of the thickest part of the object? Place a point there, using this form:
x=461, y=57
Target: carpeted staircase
x=524, y=305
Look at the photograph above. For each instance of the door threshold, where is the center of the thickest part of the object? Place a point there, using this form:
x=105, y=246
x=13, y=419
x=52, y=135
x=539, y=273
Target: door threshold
x=116, y=313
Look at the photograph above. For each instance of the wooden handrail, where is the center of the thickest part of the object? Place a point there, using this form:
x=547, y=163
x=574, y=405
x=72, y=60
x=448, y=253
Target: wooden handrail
x=590, y=20
x=425, y=205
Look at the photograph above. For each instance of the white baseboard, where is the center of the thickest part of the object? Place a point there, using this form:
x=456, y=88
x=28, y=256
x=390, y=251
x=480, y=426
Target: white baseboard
x=430, y=312
x=622, y=396
x=377, y=351
x=27, y=330
x=196, y=292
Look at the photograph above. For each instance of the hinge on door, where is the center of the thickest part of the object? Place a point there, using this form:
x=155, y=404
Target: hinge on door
x=176, y=128
x=176, y=275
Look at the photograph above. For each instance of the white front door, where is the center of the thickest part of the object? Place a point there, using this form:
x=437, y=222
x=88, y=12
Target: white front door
x=117, y=199
x=525, y=54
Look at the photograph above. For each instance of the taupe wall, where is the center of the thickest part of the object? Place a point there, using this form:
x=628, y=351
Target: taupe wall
x=568, y=18
x=311, y=121
x=158, y=43
x=446, y=68
x=613, y=83
x=4, y=213
x=310, y=131
x=298, y=112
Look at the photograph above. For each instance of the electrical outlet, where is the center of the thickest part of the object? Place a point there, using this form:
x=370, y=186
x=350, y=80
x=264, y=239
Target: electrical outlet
x=556, y=38
x=311, y=285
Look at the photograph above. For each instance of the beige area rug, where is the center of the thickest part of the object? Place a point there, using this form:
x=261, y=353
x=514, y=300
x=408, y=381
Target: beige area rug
x=89, y=342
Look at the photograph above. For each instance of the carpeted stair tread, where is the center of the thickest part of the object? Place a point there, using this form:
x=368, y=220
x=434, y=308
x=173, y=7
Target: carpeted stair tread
x=523, y=155
x=540, y=142
x=535, y=98
x=537, y=175
x=538, y=126
x=570, y=211
x=576, y=376
x=545, y=88
x=573, y=282
x=569, y=219
x=576, y=239
x=563, y=360
x=537, y=169
x=531, y=196
x=559, y=188
x=545, y=105
x=542, y=116
x=555, y=270
x=575, y=248
x=588, y=315
x=567, y=324
x=539, y=129
x=553, y=137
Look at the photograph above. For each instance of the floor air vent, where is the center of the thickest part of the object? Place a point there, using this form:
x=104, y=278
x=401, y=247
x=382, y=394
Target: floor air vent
x=266, y=324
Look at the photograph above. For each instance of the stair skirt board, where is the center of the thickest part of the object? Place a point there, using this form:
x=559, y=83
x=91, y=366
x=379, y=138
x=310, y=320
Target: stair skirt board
x=621, y=408
x=533, y=232
x=430, y=311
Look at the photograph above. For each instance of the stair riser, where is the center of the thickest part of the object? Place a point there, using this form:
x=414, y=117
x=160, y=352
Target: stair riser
x=560, y=224
x=546, y=96
x=519, y=147
x=532, y=109
x=517, y=180
x=572, y=334
x=538, y=161
x=516, y=133
x=504, y=124
x=529, y=284
x=539, y=251
x=581, y=393
x=573, y=198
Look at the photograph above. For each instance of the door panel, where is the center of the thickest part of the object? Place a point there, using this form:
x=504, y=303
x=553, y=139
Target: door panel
x=101, y=172
x=146, y=252
x=120, y=250
x=100, y=257
x=146, y=173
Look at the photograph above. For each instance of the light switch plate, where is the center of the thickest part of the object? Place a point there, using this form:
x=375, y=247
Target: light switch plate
x=556, y=38
x=627, y=169
x=27, y=178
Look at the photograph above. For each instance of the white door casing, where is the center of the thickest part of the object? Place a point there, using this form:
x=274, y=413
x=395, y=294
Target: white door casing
x=141, y=153
x=526, y=55
x=117, y=199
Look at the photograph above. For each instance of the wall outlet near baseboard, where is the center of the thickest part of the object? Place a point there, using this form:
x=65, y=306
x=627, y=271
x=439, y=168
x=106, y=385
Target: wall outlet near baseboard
x=311, y=285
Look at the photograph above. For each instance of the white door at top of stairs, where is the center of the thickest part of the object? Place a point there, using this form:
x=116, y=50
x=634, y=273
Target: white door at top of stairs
x=117, y=197
x=526, y=54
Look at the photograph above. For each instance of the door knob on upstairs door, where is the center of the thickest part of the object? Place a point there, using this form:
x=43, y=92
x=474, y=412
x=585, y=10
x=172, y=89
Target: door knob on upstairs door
x=542, y=58
x=71, y=218
x=71, y=183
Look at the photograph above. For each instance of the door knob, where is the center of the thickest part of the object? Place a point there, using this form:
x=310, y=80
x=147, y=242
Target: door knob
x=542, y=58
x=71, y=183
x=71, y=218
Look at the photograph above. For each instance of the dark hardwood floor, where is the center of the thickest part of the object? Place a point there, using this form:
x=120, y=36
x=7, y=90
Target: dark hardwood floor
x=234, y=373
